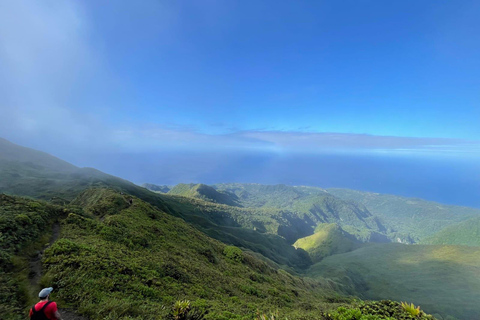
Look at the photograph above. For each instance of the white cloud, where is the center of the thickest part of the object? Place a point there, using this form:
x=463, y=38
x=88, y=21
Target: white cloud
x=44, y=56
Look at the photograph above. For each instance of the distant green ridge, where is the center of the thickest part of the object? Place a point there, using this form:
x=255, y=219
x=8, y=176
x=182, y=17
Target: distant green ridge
x=156, y=188
x=409, y=219
x=204, y=192
x=311, y=204
x=463, y=233
x=328, y=239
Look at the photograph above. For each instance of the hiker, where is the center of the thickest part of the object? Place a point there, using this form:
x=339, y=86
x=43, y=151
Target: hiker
x=45, y=309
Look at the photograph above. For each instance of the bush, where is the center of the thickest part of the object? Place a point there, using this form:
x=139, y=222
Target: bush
x=233, y=253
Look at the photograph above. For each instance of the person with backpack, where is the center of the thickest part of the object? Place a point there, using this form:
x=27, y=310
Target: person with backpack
x=45, y=309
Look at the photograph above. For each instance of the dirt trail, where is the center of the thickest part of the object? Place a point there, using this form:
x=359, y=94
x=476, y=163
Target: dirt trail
x=68, y=314
x=36, y=272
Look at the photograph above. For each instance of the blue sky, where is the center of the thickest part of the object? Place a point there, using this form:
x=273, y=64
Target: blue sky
x=83, y=79
x=400, y=68
x=397, y=68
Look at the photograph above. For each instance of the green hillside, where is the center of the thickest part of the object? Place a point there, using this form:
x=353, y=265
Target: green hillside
x=441, y=279
x=463, y=233
x=408, y=218
x=328, y=239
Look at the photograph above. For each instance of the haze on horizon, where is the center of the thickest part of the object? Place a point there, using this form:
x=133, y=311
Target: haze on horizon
x=374, y=95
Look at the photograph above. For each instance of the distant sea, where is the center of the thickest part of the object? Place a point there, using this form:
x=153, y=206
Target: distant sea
x=449, y=180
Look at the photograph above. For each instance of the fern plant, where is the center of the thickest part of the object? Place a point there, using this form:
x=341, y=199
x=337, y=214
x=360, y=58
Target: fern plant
x=182, y=310
x=410, y=308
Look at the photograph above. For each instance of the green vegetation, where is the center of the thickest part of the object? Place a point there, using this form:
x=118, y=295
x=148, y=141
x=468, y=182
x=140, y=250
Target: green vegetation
x=442, y=279
x=463, y=233
x=377, y=310
x=183, y=310
x=410, y=308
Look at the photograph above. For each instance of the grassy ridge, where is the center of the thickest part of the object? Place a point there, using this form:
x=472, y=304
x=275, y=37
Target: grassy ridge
x=441, y=279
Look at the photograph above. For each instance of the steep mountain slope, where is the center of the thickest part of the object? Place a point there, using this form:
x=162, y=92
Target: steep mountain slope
x=408, y=217
x=441, y=279
x=328, y=239
x=269, y=233
x=463, y=233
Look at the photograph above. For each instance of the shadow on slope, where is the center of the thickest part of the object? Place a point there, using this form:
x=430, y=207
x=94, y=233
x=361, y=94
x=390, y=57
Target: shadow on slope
x=465, y=233
x=441, y=279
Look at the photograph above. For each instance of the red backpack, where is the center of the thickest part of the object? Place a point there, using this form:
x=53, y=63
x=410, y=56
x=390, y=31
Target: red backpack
x=40, y=314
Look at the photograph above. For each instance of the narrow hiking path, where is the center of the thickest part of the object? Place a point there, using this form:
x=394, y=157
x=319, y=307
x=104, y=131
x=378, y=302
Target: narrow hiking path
x=36, y=272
